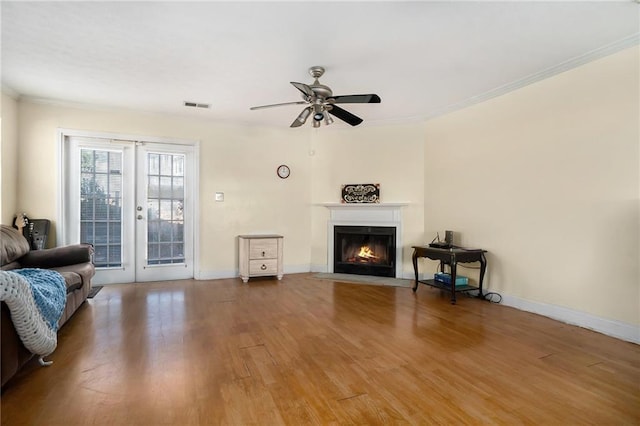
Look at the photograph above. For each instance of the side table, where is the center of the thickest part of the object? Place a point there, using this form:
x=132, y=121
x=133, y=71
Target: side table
x=450, y=256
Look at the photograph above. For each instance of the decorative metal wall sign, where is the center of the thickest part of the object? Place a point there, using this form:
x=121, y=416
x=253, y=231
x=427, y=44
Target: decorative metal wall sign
x=361, y=193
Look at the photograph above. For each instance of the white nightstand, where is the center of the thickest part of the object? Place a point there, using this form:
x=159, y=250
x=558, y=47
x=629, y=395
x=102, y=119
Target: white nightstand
x=260, y=256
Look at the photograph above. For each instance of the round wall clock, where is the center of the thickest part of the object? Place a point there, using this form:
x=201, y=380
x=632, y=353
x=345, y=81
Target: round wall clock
x=283, y=171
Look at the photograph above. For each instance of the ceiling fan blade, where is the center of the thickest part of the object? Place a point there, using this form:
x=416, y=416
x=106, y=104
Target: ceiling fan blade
x=302, y=118
x=356, y=99
x=277, y=105
x=306, y=90
x=345, y=116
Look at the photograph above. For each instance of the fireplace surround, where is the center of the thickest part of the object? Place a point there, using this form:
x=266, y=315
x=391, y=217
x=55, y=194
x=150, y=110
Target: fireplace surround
x=365, y=250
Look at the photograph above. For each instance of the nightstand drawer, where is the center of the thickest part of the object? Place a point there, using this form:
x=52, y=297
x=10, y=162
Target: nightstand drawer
x=263, y=248
x=263, y=267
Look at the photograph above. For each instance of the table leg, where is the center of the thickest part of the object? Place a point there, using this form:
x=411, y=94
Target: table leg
x=483, y=268
x=453, y=282
x=415, y=269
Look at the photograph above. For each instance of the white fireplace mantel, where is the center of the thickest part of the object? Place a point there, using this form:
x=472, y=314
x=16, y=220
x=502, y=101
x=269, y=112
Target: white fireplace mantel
x=366, y=205
x=374, y=212
x=378, y=214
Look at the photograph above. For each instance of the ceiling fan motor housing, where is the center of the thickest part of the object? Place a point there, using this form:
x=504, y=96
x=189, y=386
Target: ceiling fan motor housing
x=321, y=91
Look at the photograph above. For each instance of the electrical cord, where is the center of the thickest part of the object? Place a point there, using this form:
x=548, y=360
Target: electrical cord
x=491, y=295
x=468, y=267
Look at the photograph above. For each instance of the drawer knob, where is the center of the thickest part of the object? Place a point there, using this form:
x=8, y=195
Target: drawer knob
x=263, y=267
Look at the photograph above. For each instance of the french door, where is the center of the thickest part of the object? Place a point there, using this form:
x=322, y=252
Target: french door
x=134, y=202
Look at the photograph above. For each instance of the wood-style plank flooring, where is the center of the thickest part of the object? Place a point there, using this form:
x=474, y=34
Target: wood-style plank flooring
x=310, y=351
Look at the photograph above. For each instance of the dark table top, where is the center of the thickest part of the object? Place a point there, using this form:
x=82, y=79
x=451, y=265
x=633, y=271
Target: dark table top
x=452, y=249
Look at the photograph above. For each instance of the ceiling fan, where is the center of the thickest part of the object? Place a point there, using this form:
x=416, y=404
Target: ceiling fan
x=322, y=102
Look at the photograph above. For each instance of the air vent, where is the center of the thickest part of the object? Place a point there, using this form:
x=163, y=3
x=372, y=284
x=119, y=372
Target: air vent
x=196, y=105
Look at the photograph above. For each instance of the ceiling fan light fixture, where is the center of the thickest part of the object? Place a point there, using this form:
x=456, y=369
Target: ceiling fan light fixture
x=316, y=123
x=327, y=119
x=318, y=111
x=302, y=118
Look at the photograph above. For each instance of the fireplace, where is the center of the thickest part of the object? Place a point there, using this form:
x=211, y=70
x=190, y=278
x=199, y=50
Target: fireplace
x=387, y=215
x=365, y=250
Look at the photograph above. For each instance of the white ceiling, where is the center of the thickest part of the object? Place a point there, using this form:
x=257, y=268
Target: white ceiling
x=421, y=58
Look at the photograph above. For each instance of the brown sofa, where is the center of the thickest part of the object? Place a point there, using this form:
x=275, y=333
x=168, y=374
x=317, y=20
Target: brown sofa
x=74, y=262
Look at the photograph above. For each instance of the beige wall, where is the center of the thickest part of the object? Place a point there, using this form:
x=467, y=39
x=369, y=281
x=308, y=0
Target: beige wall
x=9, y=159
x=392, y=156
x=241, y=162
x=547, y=179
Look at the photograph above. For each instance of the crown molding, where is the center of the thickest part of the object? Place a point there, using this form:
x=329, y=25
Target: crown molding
x=10, y=92
x=570, y=64
x=584, y=59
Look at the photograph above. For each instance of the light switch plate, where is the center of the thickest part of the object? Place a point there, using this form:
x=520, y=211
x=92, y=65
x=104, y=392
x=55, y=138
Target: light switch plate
x=219, y=196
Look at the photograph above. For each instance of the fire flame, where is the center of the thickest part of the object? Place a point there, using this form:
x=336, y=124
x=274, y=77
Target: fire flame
x=367, y=253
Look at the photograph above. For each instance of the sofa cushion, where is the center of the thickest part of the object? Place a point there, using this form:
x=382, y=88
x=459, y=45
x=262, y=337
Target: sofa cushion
x=13, y=245
x=76, y=276
x=9, y=266
x=72, y=280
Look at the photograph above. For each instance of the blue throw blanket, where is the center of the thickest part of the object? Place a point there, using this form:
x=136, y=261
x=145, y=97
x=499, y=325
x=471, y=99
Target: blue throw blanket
x=49, y=293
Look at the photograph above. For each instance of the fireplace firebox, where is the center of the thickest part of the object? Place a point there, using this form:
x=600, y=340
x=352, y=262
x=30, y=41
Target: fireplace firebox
x=365, y=250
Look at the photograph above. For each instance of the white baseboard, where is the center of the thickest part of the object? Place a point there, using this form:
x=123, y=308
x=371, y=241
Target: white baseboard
x=410, y=275
x=320, y=268
x=617, y=329
x=217, y=275
x=297, y=269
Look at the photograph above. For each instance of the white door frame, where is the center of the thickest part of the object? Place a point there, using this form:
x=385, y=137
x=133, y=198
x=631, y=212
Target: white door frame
x=145, y=271
x=63, y=175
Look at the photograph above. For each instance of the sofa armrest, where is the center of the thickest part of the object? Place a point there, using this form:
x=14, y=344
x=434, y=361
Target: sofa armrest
x=58, y=256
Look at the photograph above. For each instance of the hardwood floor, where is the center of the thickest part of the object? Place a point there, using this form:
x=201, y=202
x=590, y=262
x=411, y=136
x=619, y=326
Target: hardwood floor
x=309, y=351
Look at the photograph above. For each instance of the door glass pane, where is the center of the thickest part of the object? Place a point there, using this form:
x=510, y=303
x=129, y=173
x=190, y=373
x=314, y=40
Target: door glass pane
x=178, y=186
x=178, y=166
x=153, y=188
x=165, y=202
x=154, y=164
x=101, y=205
